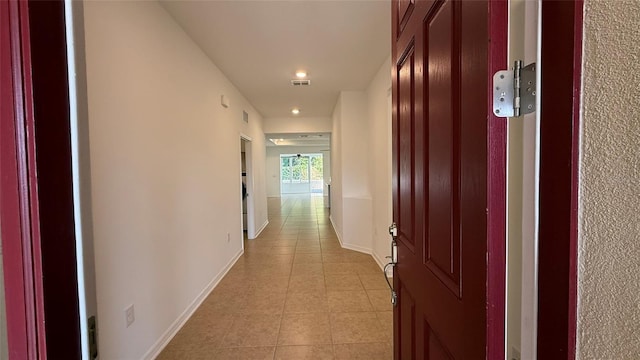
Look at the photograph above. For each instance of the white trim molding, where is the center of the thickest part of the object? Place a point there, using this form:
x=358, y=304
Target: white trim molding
x=164, y=340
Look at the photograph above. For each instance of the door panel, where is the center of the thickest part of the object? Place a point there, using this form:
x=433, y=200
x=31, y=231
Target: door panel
x=406, y=125
x=443, y=247
x=405, y=7
x=440, y=183
x=408, y=329
x=435, y=349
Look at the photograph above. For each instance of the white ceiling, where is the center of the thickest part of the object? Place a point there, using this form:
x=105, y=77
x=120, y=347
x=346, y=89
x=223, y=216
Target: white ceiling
x=260, y=44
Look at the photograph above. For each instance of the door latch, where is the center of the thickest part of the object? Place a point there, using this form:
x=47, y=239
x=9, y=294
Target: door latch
x=393, y=231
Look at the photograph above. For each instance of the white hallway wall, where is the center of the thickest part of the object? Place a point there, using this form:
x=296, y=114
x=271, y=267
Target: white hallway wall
x=298, y=124
x=353, y=225
x=336, y=169
x=361, y=167
x=165, y=172
x=379, y=109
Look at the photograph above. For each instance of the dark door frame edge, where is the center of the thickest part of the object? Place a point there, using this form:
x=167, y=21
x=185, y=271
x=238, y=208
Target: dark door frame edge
x=496, y=191
x=561, y=73
x=20, y=216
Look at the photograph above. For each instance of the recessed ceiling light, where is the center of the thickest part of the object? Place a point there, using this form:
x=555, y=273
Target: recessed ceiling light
x=301, y=74
x=295, y=111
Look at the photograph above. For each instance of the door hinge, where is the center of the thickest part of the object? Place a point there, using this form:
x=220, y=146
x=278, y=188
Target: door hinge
x=514, y=92
x=93, y=338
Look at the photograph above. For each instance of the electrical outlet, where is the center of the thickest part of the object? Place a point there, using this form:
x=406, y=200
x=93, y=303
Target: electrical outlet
x=129, y=315
x=515, y=353
x=228, y=237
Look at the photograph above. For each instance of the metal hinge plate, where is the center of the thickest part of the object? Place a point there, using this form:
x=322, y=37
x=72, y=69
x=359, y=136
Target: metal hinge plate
x=514, y=91
x=93, y=338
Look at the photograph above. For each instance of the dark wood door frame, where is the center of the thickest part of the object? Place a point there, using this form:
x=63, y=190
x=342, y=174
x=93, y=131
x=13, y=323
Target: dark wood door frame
x=562, y=25
x=37, y=184
x=496, y=189
x=19, y=212
x=51, y=105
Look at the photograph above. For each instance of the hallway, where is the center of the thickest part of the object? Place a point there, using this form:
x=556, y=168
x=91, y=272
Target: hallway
x=294, y=294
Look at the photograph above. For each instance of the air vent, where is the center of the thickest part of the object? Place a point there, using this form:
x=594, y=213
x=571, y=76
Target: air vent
x=300, y=82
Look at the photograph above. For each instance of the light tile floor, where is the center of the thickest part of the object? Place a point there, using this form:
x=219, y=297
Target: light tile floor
x=294, y=294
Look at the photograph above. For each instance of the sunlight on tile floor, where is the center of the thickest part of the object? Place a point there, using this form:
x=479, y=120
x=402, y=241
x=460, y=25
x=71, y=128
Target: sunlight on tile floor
x=294, y=294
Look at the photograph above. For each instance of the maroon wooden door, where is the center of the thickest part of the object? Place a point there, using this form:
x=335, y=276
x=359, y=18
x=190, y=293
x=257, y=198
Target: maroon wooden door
x=448, y=179
x=18, y=198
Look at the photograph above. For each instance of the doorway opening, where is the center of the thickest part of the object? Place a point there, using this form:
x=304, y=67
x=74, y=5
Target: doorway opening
x=301, y=174
x=246, y=187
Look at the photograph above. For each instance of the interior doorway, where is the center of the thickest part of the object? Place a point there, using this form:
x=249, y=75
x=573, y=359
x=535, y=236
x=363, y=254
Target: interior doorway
x=301, y=174
x=246, y=187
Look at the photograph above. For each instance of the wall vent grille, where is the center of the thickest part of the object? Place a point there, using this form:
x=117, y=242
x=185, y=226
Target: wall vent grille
x=300, y=82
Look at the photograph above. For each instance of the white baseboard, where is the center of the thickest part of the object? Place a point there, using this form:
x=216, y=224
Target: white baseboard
x=164, y=340
x=264, y=225
x=382, y=262
x=379, y=260
x=344, y=245
x=357, y=248
x=335, y=230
